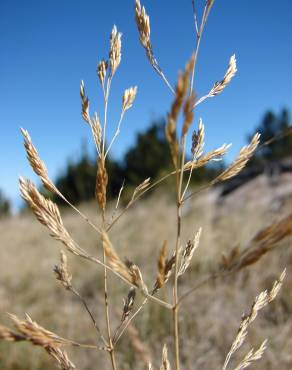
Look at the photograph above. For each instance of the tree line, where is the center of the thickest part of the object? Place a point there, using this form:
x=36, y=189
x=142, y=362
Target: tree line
x=149, y=157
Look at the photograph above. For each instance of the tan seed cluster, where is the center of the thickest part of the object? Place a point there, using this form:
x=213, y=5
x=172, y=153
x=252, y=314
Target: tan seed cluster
x=36, y=163
x=165, y=365
x=61, y=357
x=115, y=52
x=36, y=333
x=214, y=155
x=161, y=266
x=240, y=162
x=115, y=262
x=101, y=184
x=220, y=86
x=141, y=187
x=128, y=98
x=84, y=103
x=47, y=213
x=188, y=252
x=198, y=141
x=101, y=71
x=96, y=131
x=143, y=25
x=261, y=301
x=128, y=304
x=188, y=113
x=252, y=356
x=30, y=331
x=180, y=94
x=263, y=242
x=62, y=273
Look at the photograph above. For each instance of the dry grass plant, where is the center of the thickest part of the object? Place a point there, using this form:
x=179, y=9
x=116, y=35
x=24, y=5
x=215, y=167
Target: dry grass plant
x=174, y=260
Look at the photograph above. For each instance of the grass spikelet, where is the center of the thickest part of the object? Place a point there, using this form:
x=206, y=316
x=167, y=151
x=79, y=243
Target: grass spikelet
x=181, y=90
x=165, y=365
x=96, y=132
x=263, y=242
x=240, y=162
x=180, y=94
x=101, y=71
x=128, y=304
x=115, y=52
x=61, y=357
x=143, y=26
x=47, y=213
x=84, y=103
x=137, y=278
x=262, y=300
x=36, y=163
x=10, y=336
x=141, y=187
x=198, y=138
x=220, y=86
x=101, y=184
x=128, y=98
x=214, y=155
x=116, y=263
x=168, y=268
x=252, y=356
x=188, y=113
x=36, y=333
x=188, y=252
x=62, y=273
x=161, y=265
x=32, y=332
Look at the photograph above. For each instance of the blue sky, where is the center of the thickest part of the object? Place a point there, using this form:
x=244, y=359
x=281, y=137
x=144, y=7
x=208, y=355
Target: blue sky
x=47, y=47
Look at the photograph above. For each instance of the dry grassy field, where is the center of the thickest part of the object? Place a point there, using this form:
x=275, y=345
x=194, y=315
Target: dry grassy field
x=209, y=317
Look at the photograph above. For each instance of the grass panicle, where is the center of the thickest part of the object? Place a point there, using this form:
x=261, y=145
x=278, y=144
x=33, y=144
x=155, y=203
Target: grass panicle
x=174, y=260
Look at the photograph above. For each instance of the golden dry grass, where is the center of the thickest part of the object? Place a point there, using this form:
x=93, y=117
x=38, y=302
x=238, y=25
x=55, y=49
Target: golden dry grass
x=209, y=317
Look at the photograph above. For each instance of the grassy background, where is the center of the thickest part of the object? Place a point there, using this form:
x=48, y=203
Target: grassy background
x=209, y=318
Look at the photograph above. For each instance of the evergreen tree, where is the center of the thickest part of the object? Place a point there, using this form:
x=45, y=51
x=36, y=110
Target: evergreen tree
x=273, y=126
x=149, y=156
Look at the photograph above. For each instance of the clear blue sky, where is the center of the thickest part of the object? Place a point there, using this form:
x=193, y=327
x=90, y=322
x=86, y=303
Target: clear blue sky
x=47, y=47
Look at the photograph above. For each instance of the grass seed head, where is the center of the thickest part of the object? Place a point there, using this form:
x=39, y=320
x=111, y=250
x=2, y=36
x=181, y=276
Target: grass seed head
x=101, y=71
x=36, y=163
x=198, y=138
x=161, y=265
x=230, y=73
x=128, y=98
x=62, y=273
x=101, y=184
x=240, y=162
x=165, y=365
x=115, y=52
x=84, y=103
x=143, y=25
x=128, y=304
x=47, y=214
x=96, y=131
